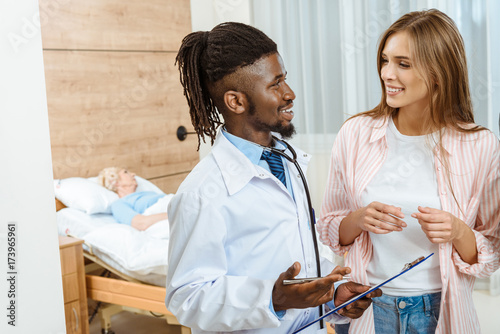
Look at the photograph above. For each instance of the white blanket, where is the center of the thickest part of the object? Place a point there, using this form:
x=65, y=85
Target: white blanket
x=139, y=254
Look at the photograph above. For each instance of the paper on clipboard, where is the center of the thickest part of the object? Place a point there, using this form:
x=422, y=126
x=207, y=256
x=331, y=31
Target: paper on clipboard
x=406, y=268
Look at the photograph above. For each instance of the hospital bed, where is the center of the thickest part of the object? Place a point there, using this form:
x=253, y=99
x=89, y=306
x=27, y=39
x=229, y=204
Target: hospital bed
x=135, y=262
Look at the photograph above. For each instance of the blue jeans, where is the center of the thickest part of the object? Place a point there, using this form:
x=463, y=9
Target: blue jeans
x=342, y=329
x=403, y=315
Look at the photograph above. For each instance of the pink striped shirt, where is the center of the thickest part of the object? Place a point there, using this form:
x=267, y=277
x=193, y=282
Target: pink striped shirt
x=474, y=158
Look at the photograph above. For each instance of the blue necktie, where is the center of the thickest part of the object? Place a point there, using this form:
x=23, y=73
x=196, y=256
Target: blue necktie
x=275, y=165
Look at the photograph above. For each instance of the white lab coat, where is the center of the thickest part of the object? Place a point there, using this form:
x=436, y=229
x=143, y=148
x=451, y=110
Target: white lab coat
x=234, y=228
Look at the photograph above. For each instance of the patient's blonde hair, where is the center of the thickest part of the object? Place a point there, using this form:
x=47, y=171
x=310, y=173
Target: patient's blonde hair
x=108, y=178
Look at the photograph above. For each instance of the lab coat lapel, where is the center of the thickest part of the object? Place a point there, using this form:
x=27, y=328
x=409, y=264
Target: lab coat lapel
x=237, y=170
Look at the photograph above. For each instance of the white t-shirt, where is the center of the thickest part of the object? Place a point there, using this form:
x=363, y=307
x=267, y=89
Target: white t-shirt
x=407, y=179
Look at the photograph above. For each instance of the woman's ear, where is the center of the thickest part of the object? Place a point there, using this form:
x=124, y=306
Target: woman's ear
x=236, y=102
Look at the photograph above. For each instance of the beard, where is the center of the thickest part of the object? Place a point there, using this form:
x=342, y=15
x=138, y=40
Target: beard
x=286, y=131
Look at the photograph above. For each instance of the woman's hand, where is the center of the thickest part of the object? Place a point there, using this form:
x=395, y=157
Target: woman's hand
x=380, y=218
x=142, y=222
x=441, y=226
x=375, y=217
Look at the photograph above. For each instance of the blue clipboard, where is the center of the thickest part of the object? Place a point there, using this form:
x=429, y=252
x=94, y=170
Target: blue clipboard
x=407, y=267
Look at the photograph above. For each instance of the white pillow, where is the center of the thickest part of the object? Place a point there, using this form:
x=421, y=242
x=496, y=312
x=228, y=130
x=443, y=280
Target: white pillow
x=90, y=197
x=142, y=185
x=84, y=194
x=145, y=185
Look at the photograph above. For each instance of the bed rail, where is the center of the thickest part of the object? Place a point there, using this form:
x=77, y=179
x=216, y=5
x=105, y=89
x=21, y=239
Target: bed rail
x=129, y=296
x=115, y=291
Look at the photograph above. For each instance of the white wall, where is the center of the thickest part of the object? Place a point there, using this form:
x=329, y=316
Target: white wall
x=206, y=14
x=26, y=192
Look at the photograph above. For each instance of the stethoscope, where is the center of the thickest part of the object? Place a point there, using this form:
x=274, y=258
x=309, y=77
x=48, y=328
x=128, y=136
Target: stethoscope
x=293, y=159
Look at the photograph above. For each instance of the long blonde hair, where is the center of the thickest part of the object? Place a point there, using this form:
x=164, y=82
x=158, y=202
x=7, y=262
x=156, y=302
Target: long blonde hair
x=438, y=53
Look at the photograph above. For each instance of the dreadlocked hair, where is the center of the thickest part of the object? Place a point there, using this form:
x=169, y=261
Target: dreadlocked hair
x=206, y=57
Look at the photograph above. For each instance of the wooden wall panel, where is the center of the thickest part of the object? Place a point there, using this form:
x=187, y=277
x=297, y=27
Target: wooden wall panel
x=113, y=92
x=116, y=108
x=170, y=184
x=114, y=24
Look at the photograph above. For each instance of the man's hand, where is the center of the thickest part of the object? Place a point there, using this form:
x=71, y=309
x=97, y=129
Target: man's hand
x=305, y=295
x=347, y=291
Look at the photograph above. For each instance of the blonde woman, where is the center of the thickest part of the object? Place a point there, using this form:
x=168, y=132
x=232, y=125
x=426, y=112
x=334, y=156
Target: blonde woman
x=415, y=176
x=139, y=209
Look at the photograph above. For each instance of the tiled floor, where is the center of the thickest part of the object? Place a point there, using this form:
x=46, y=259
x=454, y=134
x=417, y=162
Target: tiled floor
x=487, y=306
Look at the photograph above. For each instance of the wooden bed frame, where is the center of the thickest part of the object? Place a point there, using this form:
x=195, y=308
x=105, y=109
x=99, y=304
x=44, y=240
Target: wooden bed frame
x=130, y=295
x=124, y=293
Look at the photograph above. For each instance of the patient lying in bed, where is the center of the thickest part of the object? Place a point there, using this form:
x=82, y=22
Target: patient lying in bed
x=87, y=215
x=137, y=209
